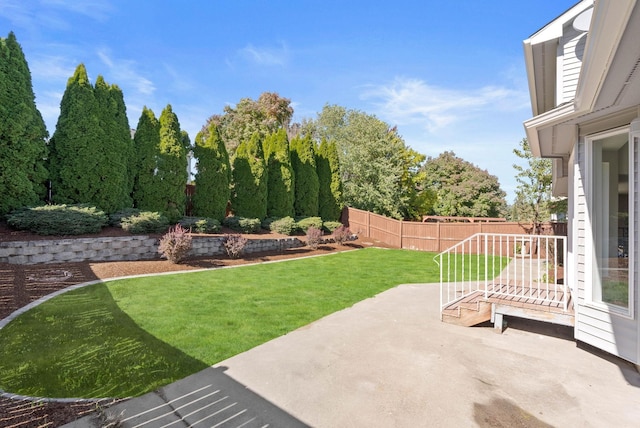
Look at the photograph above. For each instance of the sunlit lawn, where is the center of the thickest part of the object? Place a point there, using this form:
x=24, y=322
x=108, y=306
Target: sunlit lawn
x=128, y=337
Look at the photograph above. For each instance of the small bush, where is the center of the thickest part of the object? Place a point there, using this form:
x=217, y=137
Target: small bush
x=201, y=224
x=242, y=225
x=145, y=222
x=304, y=223
x=342, y=235
x=314, y=237
x=59, y=219
x=330, y=226
x=115, y=219
x=175, y=244
x=285, y=226
x=234, y=245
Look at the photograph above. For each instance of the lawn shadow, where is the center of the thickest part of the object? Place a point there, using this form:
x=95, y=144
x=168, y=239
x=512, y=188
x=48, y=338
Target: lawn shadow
x=84, y=346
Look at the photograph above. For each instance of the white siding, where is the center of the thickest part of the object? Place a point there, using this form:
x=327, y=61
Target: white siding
x=594, y=325
x=570, y=51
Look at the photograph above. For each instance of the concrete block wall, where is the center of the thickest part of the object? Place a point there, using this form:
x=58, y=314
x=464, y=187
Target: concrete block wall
x=121, y=248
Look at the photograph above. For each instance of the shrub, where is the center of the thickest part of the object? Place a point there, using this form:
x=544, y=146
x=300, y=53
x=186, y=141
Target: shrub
x=175, y=244
x=314, y=236
x=59, y=219
x=243, y=225
x=145, y=222
x=234, y=245
x=330, y=226
x=201, y=224
x=115, y=219
x=285, y=226
x=304, y=223
x=342, y=234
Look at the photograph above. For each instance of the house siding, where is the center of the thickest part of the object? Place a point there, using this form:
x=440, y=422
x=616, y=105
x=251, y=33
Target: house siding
x=570, y=51
x=596, y=325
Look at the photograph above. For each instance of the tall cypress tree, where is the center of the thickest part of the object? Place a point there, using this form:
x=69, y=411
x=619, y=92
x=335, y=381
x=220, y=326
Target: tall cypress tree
x=75, y=145
x=249, y=195
x=306, y=178
x=280, y=176
x=115, y=148
x=22, y=132
x=146, y=143
x=214, y=175
x=172, y=168
x=330, y=184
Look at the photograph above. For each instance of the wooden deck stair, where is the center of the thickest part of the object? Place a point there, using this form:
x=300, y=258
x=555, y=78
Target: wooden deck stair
x=467, y=312
x=475, y=309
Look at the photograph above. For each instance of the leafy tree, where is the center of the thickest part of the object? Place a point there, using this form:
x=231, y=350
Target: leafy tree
x=265, y=116
x=379, y=172
x=249, y=194
x=172, y=166
x=463, y=189
x=213, y=177
x=280, y=194
x=306, y=191
x=146, y=189
x=22, y=132
x=534, y=201
x=330, y=184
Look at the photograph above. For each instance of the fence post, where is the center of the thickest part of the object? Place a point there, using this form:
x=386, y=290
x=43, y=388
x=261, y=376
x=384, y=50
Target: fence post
x=401, y=233
x=438, y=237
x=368, y=224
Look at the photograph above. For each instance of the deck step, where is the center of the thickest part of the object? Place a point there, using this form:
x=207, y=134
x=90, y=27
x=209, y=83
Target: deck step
x=467, y=313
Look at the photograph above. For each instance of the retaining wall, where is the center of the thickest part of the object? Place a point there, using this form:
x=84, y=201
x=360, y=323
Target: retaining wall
x=121, y=248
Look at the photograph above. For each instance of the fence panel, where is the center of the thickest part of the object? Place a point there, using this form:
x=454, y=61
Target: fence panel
x=434, y=237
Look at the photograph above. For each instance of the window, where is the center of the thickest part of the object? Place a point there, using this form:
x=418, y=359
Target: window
x=611, y=183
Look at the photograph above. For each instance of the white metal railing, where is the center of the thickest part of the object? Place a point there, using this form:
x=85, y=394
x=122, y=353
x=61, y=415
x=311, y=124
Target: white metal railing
x=524, y=267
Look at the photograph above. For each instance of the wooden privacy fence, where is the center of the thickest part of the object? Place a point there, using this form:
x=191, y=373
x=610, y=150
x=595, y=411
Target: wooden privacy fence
x=434, y=237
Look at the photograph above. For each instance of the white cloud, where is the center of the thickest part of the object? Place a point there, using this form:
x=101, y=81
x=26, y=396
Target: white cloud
x=54, y=68
x=95, y=9
x=278, y=56
x=413, y=101
x=123, y=72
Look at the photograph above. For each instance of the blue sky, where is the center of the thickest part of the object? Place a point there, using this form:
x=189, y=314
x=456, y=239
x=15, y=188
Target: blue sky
x=449, y=74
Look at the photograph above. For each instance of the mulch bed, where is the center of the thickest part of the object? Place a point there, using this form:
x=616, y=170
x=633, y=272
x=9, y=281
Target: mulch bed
x=22, y=284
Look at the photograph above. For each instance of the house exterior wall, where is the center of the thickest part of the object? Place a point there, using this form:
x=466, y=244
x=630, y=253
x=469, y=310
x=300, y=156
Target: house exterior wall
x=570, y=51
x=595, y=323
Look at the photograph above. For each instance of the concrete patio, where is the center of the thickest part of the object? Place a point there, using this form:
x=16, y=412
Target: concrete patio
x=389, y=362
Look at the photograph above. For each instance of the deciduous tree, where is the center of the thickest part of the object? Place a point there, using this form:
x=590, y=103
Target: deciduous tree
x=463, y=189
x=266, y=115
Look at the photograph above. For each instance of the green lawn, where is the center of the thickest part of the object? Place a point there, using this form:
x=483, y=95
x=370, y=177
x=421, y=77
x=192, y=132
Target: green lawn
x=128, y=337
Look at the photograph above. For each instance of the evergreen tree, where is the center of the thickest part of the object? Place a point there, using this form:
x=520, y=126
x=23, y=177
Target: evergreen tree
x=330, y=184
x=172, y=168
x=146, y=190
x=75, y=145
x=22, y=132
x=115, y=148
x=213, y=177
x=306, y=190
x=280, y=175
x=90, y=149
x=249, y=196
